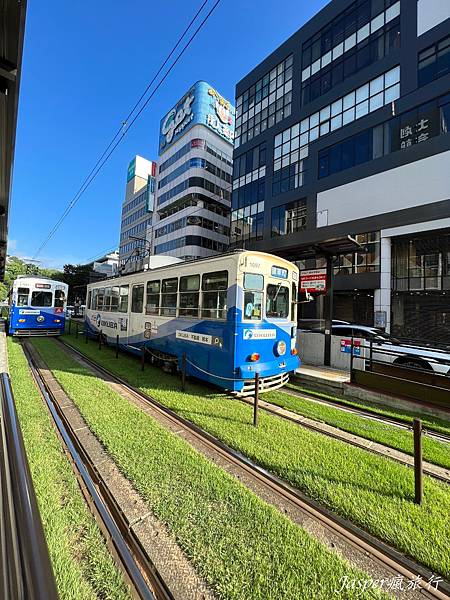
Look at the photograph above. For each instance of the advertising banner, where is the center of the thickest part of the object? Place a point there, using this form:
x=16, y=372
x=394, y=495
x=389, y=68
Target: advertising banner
x=201, y=105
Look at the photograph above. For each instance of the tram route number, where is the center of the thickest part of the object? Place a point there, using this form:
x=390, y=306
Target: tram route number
x=199, y=338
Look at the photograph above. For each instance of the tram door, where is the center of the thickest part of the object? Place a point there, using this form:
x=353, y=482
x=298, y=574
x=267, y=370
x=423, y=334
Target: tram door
x=136, y=325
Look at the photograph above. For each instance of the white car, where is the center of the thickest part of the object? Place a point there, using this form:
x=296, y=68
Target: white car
x=406, y=355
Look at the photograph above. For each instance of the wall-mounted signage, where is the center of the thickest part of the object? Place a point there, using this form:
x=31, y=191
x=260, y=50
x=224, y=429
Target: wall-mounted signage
x=201, y=105
x=150, y=194
x=131, y=170
x=416, y=130
x=313, y=280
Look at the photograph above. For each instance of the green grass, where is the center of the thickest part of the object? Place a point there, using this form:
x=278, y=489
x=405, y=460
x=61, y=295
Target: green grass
x=433, y=451
x=403, y=415
x=83, y=568
x=243, y=547
x=374, y=492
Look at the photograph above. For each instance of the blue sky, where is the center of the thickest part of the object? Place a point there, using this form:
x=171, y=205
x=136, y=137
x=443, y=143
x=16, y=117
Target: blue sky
x=84, y=66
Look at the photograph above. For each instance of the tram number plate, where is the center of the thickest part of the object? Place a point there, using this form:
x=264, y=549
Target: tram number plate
x=199, y=338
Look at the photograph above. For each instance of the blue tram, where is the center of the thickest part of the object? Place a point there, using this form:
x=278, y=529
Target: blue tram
x=37, y=306
x=232, y=315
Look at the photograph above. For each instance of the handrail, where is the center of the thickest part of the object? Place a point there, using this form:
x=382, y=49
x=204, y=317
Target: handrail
x=25, y=568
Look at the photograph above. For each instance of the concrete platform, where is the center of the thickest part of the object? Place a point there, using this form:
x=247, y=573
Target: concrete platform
x=336, y=382
x=324, y=379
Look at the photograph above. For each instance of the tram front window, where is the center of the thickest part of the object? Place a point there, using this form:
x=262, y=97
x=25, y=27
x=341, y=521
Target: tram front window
x=277, y=302
x=60, y=298
x=41, y=299
x=22, y=296
x=253, y=296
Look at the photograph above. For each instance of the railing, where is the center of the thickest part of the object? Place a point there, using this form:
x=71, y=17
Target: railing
x=398, y=371
x=25, y=569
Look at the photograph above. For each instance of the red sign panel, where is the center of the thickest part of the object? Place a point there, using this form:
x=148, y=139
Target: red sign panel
x=313, y=280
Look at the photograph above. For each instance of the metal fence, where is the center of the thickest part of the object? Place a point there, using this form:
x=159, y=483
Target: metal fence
x=25, y=569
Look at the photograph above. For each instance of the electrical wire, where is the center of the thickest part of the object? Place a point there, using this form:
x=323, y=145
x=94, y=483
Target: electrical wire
x=127, y=126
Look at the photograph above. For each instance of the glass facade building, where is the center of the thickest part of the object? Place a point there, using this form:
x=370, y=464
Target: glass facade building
x=342, y=130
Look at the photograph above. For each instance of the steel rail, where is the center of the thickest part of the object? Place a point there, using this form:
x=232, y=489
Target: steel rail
x=26, y=571
x=383, y=553
x=140, y=572
x=367, y=413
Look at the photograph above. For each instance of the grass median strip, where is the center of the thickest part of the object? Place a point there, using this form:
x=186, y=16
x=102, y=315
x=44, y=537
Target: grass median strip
x=433, y=451
x=82, y=565
x=433, y=423
x=244, y=548
x=373, y=492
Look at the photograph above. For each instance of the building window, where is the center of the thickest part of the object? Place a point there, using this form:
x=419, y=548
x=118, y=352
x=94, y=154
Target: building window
x=289, y=218
x=421, y=264
x=366, y=52
x=434, y=62
x=409, y=129
x=249, y=166
x=345, y=31
x=367, y=262
x=292, y=145
x=265, y=103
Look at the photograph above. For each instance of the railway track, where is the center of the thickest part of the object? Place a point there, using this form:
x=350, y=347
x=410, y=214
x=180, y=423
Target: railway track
x=383, y=554
x=141, y=575
x=367, y=413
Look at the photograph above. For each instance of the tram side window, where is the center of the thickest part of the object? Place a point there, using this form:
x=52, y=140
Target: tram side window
x=107, y=300
x=60, y=298
x=123, y=299
x=89, y=300
x=214, y=295
x=94, y=299
x=22, y=296
x=100, y=298
x=152, y=304
x=41, y=299
x=253, y=296
x=189, y=295
x=169, y=297
x=277, y=301
x=137, y=298
x=115, y=298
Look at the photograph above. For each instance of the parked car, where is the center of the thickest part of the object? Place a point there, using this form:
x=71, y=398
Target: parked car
x=406, y=355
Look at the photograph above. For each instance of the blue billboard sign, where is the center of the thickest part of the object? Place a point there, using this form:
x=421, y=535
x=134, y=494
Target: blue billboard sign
x=201, y=105
x=131, y=170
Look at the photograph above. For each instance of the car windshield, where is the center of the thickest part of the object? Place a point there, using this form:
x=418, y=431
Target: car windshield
x=382, y=336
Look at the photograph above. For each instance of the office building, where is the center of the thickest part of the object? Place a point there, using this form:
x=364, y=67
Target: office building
x=193, y=188
x=137, y=210
x=343, y=130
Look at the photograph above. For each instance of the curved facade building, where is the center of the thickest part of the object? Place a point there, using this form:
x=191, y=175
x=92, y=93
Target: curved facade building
x=193, y=186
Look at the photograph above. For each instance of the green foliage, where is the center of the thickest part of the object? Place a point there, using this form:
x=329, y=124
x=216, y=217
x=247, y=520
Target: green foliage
x=374, y=492
x=82, y=565
x=433, y=451
x=243, y=547
x=16, y=266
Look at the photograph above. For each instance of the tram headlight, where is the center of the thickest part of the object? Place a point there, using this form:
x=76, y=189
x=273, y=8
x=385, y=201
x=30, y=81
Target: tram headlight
x=21, y=320
x=281, y=348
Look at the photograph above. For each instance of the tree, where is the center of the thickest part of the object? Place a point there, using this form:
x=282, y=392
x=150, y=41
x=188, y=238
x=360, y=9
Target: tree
x=16, y=266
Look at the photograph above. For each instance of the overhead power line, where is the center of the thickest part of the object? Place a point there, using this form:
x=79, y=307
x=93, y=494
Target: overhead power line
x=125, y=127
